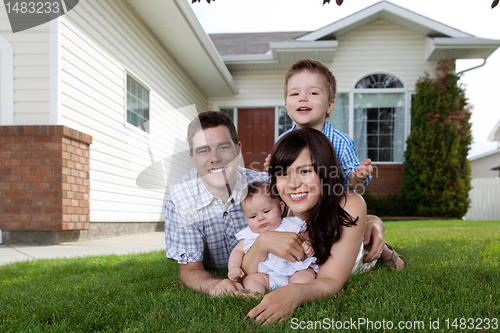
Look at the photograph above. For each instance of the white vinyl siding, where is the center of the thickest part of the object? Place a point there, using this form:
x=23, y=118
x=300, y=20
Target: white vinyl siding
x=262, y=88
x=31, y=71
x=380, y=47
x=100, y=42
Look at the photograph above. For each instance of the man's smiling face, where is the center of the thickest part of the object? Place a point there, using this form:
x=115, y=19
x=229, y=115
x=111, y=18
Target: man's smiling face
x=215, y=156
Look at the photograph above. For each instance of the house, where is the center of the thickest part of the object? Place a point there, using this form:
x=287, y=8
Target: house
x=92, y=99
x=377, y=56
x=487, y=165
x=88, y=101
x=485, y=193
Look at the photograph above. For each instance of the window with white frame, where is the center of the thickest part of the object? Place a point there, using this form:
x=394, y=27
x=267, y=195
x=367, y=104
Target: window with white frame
x=379, y=118
x=339, y=117
x=137, y=103
x=284, y=121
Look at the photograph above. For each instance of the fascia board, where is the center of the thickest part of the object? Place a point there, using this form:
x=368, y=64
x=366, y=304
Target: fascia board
x=249, y=58
x=469, y=43
x=207, y=44
x=276, y=47
x=315, y=45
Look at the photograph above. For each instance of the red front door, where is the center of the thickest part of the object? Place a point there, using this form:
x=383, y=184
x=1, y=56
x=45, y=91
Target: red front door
x=256, y=134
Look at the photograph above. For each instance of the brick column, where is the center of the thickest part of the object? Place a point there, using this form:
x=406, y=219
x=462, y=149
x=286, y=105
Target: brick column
x=387, y=179
x=44, y=187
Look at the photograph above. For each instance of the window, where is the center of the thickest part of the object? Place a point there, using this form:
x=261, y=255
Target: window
x=229, y=112
x=137, y=104
x=340, y=114
x=284, y=121
x=379, y=118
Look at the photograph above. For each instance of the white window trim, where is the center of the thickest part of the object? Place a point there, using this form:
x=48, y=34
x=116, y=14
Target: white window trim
x=126, y=124
x=6, y=82
x=377, y=91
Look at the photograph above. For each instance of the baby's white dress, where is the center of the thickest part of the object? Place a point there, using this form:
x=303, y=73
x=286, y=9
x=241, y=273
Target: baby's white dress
x=278, y=269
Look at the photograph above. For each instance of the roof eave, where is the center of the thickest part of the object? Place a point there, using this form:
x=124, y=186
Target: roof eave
x=459, y=48
x=281, y=54
x=387, y=11
x=188, y=44
x=495, y=134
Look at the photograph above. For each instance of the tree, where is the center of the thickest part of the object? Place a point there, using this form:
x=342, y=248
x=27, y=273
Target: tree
x=339, y=2
x=436, y=170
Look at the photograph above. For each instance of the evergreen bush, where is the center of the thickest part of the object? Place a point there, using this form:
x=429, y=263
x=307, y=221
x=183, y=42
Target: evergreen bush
x=390, y=205
x=436, y=170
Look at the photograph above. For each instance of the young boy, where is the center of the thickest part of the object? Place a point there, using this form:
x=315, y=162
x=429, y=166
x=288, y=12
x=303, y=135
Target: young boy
x=263, y=213
x=310, y=90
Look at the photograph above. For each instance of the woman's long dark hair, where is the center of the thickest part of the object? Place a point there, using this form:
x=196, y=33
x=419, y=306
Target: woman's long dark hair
x=327, y=217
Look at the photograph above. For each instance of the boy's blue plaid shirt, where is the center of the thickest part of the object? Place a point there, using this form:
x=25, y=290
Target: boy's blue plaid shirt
x=344, y=148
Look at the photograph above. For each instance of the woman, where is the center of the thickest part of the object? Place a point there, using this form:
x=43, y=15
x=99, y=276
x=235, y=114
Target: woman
x=306, y=175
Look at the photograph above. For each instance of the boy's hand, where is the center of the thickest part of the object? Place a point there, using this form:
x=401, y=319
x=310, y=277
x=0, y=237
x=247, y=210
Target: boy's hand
x=266, y=163
x=235, y=273
x=363, y=171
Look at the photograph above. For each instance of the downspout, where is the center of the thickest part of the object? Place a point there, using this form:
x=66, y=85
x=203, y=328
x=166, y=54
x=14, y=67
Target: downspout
x=466, y=70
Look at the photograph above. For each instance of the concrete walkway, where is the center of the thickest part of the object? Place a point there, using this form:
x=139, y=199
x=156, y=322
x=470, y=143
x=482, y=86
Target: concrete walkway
x=136, y=243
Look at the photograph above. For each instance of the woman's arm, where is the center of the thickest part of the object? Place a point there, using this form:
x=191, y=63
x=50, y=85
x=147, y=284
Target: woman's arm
x=332, y=275
x=286, y=245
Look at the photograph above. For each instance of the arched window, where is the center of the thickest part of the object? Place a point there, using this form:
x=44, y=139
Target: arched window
x=379, y=118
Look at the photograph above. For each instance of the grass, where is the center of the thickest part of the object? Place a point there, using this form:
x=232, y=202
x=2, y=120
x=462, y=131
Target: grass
x=453, y=273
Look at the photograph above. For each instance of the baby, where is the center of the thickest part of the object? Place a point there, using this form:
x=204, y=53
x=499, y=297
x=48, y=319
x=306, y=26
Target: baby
x=263, y=213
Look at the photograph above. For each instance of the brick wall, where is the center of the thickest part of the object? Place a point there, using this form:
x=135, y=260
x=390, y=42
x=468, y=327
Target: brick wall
x=44, y=183
x=387, y=179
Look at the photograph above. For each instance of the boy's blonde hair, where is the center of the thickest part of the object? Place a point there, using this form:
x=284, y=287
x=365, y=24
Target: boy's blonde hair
x=313, y=66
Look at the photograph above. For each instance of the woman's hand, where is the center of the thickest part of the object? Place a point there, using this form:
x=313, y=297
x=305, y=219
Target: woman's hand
x=374, y=238
x=277, y=305
x=286, y=245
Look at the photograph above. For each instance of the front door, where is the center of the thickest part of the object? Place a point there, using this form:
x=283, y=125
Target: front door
x=256, y=134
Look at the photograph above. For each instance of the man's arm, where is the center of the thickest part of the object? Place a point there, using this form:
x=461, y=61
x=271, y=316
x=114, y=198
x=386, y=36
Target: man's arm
x=194, y=276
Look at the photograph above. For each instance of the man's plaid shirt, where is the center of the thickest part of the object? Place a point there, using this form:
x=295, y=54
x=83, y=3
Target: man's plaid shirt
x=199, y=226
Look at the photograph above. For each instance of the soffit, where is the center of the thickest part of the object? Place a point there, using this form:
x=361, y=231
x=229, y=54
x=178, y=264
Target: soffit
x=176, y=27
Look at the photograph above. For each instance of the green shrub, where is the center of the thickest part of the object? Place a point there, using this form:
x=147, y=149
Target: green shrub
x=391, y=205
x=436, y=171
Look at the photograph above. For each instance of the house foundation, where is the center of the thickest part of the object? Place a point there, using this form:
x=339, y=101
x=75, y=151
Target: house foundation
x=387, y=180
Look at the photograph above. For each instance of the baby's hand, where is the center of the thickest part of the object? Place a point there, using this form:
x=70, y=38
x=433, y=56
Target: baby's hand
x=308, y=248
x=235, y=273
x=266, y=162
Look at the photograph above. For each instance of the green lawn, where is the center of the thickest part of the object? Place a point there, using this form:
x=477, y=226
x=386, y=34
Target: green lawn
x=453, y=273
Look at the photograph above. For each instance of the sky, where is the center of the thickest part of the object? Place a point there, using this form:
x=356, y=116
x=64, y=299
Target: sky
x=473, y=17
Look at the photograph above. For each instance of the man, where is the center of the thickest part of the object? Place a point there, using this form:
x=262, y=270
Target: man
x=203, y=211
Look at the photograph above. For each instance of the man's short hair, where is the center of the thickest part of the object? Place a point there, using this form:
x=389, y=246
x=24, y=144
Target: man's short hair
x=313, y=66
x=211, y=119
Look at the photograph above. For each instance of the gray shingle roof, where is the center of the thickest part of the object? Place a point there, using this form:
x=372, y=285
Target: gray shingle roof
x=250, y=43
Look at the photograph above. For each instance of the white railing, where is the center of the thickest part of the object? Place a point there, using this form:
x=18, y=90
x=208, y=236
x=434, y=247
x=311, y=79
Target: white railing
x=485, y=199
